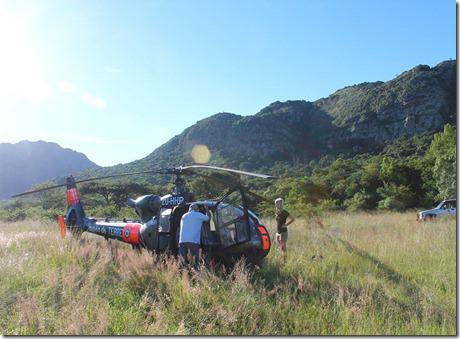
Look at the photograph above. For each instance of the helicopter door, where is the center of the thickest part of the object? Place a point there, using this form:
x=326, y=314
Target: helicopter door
x=164, y=230
x=177, y=214
x=232, y=220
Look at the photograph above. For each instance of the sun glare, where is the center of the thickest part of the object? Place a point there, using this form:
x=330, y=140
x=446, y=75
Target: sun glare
x=21, y=72
x=200, y=154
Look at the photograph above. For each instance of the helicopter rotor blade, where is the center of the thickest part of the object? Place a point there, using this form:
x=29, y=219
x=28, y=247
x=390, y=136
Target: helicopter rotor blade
x=121, y=175
x=37, y=190
x=233, y=185
x=187, y=170
x=263, y=176
x=90, y=179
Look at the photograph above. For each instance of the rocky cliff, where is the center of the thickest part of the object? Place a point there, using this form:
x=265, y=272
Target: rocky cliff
x=355, y=119
x=419, y=100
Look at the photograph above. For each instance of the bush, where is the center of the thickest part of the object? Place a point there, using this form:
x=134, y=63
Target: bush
x=395, y=198
x=327, y=205
x=17, y=214
x=361, y=200
x=443, y=155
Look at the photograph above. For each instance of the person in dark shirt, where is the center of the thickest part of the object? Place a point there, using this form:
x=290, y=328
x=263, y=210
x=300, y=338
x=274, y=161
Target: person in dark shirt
x=281, y=216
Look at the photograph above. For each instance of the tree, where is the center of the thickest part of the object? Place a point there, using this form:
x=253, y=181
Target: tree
x=396, y=198
x=117, y=193
x=359, y=201
x=203, y=189
x=443, y=155
x=54, y=198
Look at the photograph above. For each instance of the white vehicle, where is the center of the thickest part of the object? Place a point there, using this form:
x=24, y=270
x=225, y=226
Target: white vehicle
x=445, y=207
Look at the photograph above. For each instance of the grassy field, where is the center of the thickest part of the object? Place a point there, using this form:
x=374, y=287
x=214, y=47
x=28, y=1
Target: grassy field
x=345, y=274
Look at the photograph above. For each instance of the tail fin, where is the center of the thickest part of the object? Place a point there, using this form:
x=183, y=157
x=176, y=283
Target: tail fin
x=75, y=216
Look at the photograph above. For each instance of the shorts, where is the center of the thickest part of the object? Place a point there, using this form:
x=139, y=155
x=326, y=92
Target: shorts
x=284, y=236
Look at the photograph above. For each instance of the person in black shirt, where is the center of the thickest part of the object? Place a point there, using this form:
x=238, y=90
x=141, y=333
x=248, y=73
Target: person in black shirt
x=281, y=216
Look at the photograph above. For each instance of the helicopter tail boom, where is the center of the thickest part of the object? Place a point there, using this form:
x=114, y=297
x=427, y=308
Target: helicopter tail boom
x=125, y=232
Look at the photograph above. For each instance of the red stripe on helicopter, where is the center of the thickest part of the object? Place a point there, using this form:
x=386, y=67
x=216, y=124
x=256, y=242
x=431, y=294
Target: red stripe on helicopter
x=73, y=197
x=264, y=237
x=130, y=233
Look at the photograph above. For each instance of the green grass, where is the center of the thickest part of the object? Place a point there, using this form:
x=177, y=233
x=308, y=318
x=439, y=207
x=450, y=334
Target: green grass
x=345, y=274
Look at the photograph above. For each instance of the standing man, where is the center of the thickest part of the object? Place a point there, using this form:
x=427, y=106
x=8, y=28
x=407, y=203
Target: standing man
x=190, y=234
x=281, y=216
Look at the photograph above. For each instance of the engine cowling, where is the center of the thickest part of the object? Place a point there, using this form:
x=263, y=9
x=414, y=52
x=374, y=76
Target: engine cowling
x=146, y=206
x=149, y=234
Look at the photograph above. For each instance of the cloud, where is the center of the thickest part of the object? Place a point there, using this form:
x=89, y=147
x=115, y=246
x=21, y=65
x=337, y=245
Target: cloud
x=94, y=101
x=66, y=87
x=112, y=69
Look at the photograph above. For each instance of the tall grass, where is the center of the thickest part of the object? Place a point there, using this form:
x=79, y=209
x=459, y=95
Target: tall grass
x=345, y=274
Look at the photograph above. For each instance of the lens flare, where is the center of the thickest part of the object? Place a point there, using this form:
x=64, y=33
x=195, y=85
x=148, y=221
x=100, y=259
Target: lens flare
x=200, y=154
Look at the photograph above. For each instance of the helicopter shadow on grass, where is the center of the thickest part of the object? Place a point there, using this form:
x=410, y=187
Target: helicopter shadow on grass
x=411, y=290
x=384, y=270
x=272, y=278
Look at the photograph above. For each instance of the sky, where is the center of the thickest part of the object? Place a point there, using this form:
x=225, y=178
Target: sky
x=116, y=79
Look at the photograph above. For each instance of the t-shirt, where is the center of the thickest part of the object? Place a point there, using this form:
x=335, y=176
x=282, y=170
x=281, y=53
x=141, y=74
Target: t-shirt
x=281, y=220
x=190, y=227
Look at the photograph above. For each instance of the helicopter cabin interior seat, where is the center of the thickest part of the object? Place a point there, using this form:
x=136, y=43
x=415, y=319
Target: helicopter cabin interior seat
x=209, y=232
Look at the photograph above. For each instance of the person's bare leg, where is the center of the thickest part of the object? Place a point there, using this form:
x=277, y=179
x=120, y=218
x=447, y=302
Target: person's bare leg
x=284, y=253
x=278, y=241
x=283, y=249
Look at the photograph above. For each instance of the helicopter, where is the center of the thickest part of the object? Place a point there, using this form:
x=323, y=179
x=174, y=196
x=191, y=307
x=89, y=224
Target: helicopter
x=232, y=232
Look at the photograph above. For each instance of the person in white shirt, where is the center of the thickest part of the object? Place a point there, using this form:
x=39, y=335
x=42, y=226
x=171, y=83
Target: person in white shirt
x=190, y=234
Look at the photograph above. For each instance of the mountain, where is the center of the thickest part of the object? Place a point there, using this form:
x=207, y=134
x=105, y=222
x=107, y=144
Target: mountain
x=357, y=119
x=26, y=163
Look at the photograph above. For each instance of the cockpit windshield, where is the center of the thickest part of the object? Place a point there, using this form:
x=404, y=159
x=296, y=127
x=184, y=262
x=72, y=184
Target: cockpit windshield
x=233, y=224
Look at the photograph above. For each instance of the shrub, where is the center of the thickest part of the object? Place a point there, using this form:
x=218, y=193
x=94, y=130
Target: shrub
x=396, y=198
x=361, y=200
x=443, y=156
x=17, y=214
